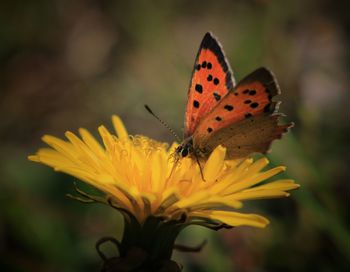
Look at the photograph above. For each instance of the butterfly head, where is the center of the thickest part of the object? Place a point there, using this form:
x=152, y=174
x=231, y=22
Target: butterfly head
x=185, y=148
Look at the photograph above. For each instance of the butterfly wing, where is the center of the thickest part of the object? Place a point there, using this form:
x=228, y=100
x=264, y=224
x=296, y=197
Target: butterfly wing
x=248, y=136
x=245, y=120
x=211, y=80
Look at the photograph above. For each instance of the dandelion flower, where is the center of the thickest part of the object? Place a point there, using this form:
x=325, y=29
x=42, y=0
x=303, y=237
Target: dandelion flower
x=158, y=195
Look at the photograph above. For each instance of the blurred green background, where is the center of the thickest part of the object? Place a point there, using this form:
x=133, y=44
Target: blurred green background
x=70, y=64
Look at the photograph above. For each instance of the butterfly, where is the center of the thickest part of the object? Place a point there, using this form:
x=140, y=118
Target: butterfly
x=241, y=117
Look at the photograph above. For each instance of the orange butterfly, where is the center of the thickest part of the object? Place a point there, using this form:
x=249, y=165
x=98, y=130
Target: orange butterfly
x=243, y=118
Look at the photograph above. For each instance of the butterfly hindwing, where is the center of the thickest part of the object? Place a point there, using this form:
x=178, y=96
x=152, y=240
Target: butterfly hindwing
x=245, y=120
x=211, y=80
x=253, y=135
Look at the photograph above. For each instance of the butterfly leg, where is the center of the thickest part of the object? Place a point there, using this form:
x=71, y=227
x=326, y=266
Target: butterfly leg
x=200, y=166
x=175, y=164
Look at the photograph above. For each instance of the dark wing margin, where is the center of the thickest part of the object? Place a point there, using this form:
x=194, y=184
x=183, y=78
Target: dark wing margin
x=211, y=43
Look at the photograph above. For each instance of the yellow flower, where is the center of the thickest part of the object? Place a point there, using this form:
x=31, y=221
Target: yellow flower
x=140, y=176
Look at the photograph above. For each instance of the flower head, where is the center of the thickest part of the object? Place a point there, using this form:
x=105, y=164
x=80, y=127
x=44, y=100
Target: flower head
x=158, y=194
x=140, y=177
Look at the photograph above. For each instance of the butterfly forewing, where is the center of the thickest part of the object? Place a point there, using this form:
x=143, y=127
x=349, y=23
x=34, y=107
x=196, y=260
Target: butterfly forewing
x=211, y=80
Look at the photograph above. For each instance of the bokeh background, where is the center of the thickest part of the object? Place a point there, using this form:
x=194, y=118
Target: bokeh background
x=70, y=64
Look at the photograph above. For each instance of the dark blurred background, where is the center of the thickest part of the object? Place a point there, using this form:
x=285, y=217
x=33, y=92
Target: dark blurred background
x=70, y=64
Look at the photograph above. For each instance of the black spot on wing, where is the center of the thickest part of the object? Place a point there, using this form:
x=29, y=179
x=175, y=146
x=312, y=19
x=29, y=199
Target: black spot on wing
x=216, y=96
x=254, y=105
x=195, y=104
x=198, y=88
x=228, y=107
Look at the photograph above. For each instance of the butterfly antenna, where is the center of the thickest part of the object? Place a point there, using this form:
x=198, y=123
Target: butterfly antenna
x=163, y=123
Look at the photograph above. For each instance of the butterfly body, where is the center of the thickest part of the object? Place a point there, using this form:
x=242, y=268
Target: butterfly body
x=185, y=148
x=189, y=148
x=243, y=118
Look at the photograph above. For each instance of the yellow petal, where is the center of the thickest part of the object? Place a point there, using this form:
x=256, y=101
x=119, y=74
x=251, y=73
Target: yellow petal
x=119, y=128
x=263, y=194
x=34, y=158
x=257, y=166
x=255, y=179
x=234, y=219
x=283, y=185
x=216, y=202
x=192, y=200
x=214, y=163
x=61, y=146
x=91, y=142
